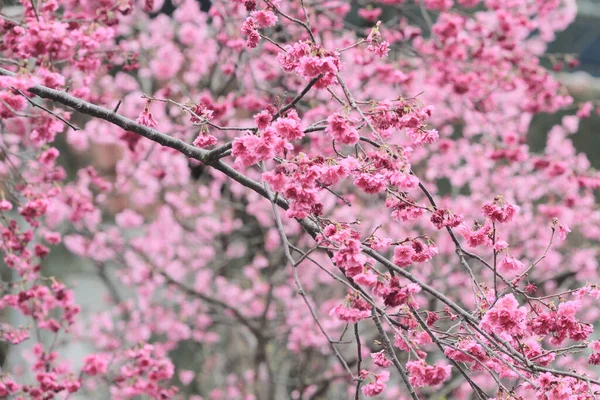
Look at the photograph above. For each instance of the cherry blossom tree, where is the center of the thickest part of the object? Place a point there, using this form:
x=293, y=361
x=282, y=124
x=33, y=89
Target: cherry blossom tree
x=296, y=199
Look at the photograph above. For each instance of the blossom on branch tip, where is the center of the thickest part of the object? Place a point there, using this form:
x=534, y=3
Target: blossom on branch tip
x=499, y=210
x=341, y=130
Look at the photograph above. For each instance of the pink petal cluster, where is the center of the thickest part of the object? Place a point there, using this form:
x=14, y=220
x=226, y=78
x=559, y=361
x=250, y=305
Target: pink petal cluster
x=506, y=317
x=341, y=130
x=499, y=210
x=421, y=374
x=376, y=383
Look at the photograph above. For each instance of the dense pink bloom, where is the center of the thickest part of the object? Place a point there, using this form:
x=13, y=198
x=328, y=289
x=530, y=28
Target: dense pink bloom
x=505, y=317
x=380, y=359
x=480, y=236
x=263, y=119
x=95, y=364
x=250, y=149
x=421, y=374
x=371, y=182
x=499, y=210
x=341, y=130
x=510, y=264
x=445, y=218
x=289, y=127
x=366, y=278
x=204, y=140
x=396, y=294
x=404, y=255
x=349, y=314
x=469, y=352
x=376, y=383
x=251, y=33
x=299, y=58
x=264, y=19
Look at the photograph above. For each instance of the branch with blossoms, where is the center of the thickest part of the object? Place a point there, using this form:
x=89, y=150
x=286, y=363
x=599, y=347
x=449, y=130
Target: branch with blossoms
x=353, y=160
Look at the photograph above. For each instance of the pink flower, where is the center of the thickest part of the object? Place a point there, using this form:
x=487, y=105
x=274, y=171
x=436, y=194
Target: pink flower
x=186, y=376
x=382, y=49
x=249, y=30
x=421, y=374
x=366, y=279
x=263, y=119
x=289, y=127
x=473, y=351
x=441, y=5
x=376, y=44
x=380, y=359
x=350, y=257
x=377, y=384
x=312, y=66
x=585, y=110
x=476, y=237
x=310, y=61
x=129, y=219
x=371, y=182
x=510, y=264
x=250, y=149
x=403, y=255
x=594, y=359
x=146, y=118
x=562, y=232
x=445, y=218
x=348, y=314
x=34, y=209
x=369, y=14
x=52, y=237
x=341, y=131
x=396, y=295
x=277, y=180
x=264, y=19
x=204, y=140
x=505, y=317
x=49, y=156
x=244, y=149
x=7, y=387
x=5, y=205
x=95, y=364
x=424, y=252
x=500, y=245
x=468, y=3
x=499, y=210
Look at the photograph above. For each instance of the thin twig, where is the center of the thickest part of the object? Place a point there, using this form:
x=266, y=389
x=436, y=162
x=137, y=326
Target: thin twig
x=34, y=104
x=359, y=361
x=389, y=349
